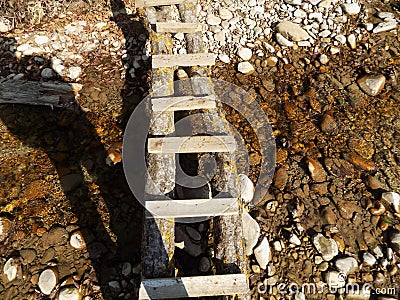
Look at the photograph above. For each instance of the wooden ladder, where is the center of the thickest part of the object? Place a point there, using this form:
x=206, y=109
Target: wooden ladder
x=158, y=246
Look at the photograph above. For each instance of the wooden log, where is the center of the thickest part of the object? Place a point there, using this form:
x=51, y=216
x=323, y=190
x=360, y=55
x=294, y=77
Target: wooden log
x=54, y=94
x=193, y=208
x=183, y=60
x=197, y=286
x=191, y=144
x=175, y=27
x=158, y=243
x=183, y=103
x=228, y=231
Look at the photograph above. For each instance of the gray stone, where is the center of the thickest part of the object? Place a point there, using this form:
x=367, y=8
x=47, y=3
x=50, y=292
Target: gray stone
x=204, y=264
x=190, y=247
x=292, y=31
x=28, y=255
x=263, y=253
x=346, y=264
x=70, y=182
x=193, y=233
x=126, y=269
x=369, y=259
x=251, y=232
x=47, y=73
x=372, y=85
x=326, y=246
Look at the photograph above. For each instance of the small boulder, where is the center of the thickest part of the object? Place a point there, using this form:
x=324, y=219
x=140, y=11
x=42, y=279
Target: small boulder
x=372, y=85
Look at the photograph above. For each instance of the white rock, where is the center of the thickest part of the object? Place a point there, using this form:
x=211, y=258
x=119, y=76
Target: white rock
x=385, y=15
x=325, y=3
x=346, y=264
x=341, y=38
x=351, y=8
x=47, y=281
x=378, y=251
x=292, y=31
x=304, y=44
x=369, y=26
x=314, y=2
x=293, y=2
x=384, y=26
x=335, y=279
x=69, y=293
x=334, y=50
x=251, y=232
x=351, y=39
x=325, y=33
x=326, y=246
x=10, y=269
x=392, y=198
x=126, y=269
x=19, y=76
x=245, y=53
x=283, y=41
x=372, y=85
x=219, y=36
x=299, y=296
x=213, y=20
x=179, y=36
x=395, y=240
x=369, y=259
x=77, y=241
x=74, y=72
x=246, y=188
x=299, y=13
x=5, y=26
x=245, y=67
x=277, y=246
x=47, y=73
x=41, y=39
x=263, y=253
x=224, y=58
x=293, y=239
x=225, y=14
x=323, y=59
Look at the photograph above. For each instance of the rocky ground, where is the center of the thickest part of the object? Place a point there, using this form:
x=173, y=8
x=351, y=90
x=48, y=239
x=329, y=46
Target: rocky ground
x=326, y=75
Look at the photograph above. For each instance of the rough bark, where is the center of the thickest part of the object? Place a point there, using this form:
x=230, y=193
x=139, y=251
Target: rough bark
x=55, y=94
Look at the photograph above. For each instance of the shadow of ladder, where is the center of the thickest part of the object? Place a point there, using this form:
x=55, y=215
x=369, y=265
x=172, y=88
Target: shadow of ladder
x=158, y=245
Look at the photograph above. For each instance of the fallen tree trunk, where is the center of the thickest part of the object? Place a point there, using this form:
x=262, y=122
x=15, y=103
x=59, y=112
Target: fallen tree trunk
x=55, y=94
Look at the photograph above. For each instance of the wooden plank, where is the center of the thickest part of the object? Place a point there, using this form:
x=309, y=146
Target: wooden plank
x=198, y=286
x=192, y=208
x=183, y=60
x=149, y=3
x=175, y=27
x=183, y=103
x=191, y=144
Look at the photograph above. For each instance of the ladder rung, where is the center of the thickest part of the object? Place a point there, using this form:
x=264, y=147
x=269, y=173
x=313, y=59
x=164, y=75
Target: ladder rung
x=148, y=3
x=183, y=60
x=191, y=144
x=183, y=103
x=197, y=286
x=175, y=27
x=192, y=208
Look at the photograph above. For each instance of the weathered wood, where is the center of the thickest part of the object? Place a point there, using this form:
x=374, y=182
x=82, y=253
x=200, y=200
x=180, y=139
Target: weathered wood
x=228, y=231
x=193, y=208
x=183, y=103
x=191, y=144
x=149, y=3
x=55, y=94
x=158, y=243
x=175, y=27
x=183, y=60
x=182, y=287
